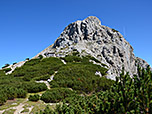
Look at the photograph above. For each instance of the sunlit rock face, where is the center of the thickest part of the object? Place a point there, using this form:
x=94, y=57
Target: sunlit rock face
x=89, y=37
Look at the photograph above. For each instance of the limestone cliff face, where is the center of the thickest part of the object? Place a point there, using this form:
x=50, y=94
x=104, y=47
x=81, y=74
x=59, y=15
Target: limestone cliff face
x=89, y=37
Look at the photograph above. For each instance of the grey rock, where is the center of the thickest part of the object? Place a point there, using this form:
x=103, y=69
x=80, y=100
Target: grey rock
x=89, y=37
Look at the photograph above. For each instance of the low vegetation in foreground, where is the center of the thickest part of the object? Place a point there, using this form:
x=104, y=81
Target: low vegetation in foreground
x=126, y=96
x=75, y=88
x=76, y=77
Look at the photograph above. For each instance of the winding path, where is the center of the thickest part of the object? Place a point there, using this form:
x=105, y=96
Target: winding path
x=19, y=108
x=47, y=82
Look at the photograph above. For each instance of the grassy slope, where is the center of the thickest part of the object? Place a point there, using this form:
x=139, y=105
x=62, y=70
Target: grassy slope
x=78, y=74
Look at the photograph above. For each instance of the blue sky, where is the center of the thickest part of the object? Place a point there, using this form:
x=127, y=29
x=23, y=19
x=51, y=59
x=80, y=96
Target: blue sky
x=29, y=26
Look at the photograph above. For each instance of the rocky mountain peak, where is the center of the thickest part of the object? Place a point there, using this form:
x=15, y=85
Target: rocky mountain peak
x=107, y=45
x=92, y=19
x=89, y=37
x=79, y=30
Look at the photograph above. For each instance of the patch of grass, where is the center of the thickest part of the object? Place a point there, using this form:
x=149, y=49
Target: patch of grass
x=25, y=110
x=55, y=95
x=94, y=59
x=12, y=103
x=37, y=106
x=11, y=111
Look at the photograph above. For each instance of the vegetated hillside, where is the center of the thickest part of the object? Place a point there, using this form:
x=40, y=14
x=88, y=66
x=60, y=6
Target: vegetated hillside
x=76, y=77
x=90, y=37
x=78, y=86
x=126, y=96
x=76, y=71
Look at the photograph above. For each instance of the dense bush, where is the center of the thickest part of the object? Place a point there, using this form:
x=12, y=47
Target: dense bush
x=33, y=87
x=7, y=70
x=27, y=59
x=81, y=77
x=75, y=58
x=70, y=58
x=44, y=77
x=3, y=99
x=38, y=68
x=14, y=63
x=2, y=73
x=94, y=59
x=9, y=93
x=22, y=79
x=47, y=110
x=56, y=94
x=35, y=97
x=78, y=74
x=18, y=83
x=40, y=57
x=6, y=65
x=126, y=96
x=21, y=93
x=12, y=87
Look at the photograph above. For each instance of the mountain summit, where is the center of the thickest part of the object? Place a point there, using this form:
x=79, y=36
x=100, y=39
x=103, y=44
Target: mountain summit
x=107, y=45
x=90, y=37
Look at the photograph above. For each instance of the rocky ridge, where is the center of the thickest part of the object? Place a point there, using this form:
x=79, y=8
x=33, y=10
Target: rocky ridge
x=90, y=37
x=107, y=45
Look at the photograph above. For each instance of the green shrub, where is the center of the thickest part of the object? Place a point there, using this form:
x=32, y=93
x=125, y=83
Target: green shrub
x=81, y=77
x=6, y=65
x=55, y=95
x=7, y=70
x=21, y=93
x=2, y=73
x=27, y=59
x=22, y=79
x=40, y=57
x=74, y=58
x=14, y=63
x=47, y=110
x=94, y=59
x=70, y=58
x=33, y=87
x=126, y=96
x=44, y=77
x=32, y=62
x=75, y=50
x=38, y=68
x=35, y=97
x=3, y=99
x=12, y=92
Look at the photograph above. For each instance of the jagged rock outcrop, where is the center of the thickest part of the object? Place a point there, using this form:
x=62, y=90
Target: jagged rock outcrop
x=89, y=37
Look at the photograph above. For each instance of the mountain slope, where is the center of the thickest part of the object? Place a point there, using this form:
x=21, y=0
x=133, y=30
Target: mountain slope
x=107, y=45
x=89, y=37
x=73, y=72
